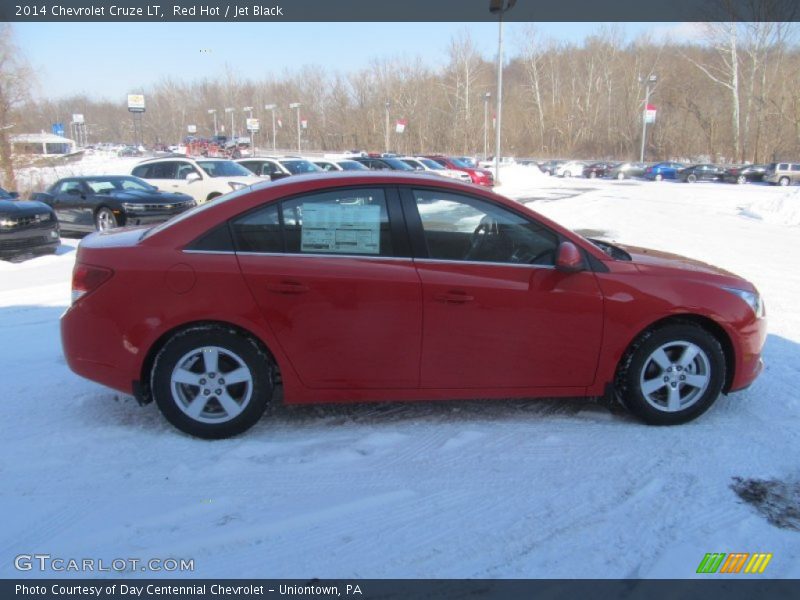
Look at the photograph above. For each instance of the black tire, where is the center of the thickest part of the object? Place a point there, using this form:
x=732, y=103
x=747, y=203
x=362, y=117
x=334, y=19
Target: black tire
x=105, y=219
x=567, y=173
x=741, y=180
x=235, y=351
x=658, y=177
x=592, y=174
x=620, y=175
x=691, y=178
x=639, y=357
x=783, y=181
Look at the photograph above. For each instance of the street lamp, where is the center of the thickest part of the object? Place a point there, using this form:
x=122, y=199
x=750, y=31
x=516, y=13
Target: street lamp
x=486, y=97
x=233, y=128
x=386, y=140
x=499, y=7
x=272, y=107
x=213, y=111
x=297, y=105
x=652, y=79
x=249, y=111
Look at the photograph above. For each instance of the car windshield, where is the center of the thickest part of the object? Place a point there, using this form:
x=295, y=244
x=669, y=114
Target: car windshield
x=4, y=194
x=223, y=168
x=397, y=164
x=460, y=163
x=100, y=185
x=431, y=164
x=352, y=165
x=296, y=167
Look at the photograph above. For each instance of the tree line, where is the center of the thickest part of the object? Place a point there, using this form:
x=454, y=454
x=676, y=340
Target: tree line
x=731, y=95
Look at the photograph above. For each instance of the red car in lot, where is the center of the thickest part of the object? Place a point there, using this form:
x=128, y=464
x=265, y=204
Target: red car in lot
x=479, y=176
x=387, y=286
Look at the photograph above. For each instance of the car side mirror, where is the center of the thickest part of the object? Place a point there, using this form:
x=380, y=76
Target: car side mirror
x=192, y=177
x=568, y=258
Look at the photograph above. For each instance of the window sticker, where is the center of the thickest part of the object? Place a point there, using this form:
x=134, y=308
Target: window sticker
x=343, y=228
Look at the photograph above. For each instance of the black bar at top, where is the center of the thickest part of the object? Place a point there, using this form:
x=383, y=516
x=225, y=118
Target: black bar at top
x=133, y=11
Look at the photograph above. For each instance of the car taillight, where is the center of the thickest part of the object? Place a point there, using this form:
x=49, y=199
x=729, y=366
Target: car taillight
x=87, y=278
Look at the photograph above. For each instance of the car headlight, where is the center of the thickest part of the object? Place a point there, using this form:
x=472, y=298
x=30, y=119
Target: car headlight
x=753, y=299
x=8, y=222
x=235, y=185
x=133, y=207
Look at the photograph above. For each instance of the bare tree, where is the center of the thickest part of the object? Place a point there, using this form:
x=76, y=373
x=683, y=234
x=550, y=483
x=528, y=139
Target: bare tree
x=15, y=78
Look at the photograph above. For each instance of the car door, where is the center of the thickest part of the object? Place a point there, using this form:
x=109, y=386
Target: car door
x=497, y=314
x=333, y=277
x=162, y=174
x=66, y=202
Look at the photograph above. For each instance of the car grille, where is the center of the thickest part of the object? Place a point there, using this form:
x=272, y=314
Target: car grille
x=13, y=223
x=167, y=206
x=21, y=244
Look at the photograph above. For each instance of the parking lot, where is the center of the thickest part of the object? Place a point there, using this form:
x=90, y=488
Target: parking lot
x=489, y=489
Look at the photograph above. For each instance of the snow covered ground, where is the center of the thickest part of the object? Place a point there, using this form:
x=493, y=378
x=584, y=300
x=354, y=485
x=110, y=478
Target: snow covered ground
x=478, y=489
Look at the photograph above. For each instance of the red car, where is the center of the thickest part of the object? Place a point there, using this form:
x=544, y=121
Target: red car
x=387, y=286
x=479, y=176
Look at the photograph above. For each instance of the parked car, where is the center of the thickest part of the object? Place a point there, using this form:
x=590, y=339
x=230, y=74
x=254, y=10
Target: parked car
x=702, y=172
x=130, y=151
x=663, y=170
x=505, y=161
x=549, y=166
x=744, y=173
x=101, y=202
x=26, y=227
x=203, y=178
x=783, y=173
x=598, y=169
x=478, y=176
x=329, y=164
x=420, y=163
x=627, y=170
x=278, y=168
x=394, y=286
x=570, y=168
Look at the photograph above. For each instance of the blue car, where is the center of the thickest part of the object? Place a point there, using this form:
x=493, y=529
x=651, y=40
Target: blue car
x=663, y=170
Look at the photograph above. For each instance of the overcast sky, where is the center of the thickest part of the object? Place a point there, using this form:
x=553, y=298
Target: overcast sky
x=109, y=60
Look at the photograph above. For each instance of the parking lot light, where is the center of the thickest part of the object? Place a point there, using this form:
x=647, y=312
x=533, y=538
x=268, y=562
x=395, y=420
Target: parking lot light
x=499, y=7
x=297, y=105
x=272, y=107
x=233, y=127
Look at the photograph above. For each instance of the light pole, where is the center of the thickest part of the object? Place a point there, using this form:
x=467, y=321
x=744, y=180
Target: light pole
x=213, y=111
x=499, y=7
x=486, y=97
x=233, y=128
x=651, y=79
x=272, y=107
x=249, y=111
x=387, y=104
x=297, y=105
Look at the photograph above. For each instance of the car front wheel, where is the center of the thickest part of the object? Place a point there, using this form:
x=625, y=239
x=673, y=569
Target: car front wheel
x=672, y=375
x=784, y=181
x=105, y=219
x=658, y=177
x=211, y=381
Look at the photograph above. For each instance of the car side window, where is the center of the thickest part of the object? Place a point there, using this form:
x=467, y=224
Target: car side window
x=164, y=170
x=795, y=167
x=67, y=186
x=185, y=169
x=462, y=228
x=348, y=221
x=258, y=231
x=142, y=171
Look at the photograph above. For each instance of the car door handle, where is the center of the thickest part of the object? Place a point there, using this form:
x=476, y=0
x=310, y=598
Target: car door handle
x=287, y=287
x=454, y=297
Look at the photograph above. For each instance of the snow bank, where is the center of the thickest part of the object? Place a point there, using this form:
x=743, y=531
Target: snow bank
x=783, y=210
x=518, y=178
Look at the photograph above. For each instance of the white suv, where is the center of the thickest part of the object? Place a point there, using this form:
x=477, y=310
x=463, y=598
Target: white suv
x=203, y=178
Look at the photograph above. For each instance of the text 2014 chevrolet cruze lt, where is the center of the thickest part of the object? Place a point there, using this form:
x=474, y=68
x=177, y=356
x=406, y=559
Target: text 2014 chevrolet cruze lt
x=376, y=286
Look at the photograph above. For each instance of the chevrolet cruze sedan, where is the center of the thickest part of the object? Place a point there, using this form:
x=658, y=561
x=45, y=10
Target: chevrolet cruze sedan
x=391, y=286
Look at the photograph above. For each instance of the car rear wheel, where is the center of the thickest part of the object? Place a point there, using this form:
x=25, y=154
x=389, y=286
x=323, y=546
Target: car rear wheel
x=105, y=219
x=592, y=174
x=784, y=181
x=741, y=179
x=212, y=382
x=671, y=375
x=691, y=178
x=658, y=177
x=620, y=175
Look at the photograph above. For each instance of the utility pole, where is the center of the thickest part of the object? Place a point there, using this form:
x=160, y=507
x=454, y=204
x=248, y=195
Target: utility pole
x=486, y=97
x=386, y=140
x=651, y=79
x=297, y=106
x=272, y=107
x=499, y=7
